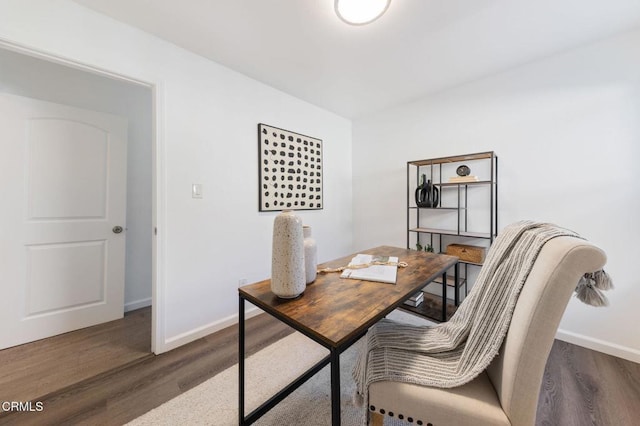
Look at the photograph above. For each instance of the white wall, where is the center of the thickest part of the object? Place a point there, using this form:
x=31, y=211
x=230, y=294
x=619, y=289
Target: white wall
x=208, y=118
x=567, y=133
x=35, y=78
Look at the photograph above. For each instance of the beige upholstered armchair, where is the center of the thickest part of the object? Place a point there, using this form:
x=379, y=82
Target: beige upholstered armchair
x=506, y=393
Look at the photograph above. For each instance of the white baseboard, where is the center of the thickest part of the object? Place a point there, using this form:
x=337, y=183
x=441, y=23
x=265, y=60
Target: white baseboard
x=137, y=304
x=599, y=345
x=195, y=334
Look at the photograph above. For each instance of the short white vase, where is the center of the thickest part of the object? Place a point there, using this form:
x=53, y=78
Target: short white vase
x=310, y=255
x=287, y=265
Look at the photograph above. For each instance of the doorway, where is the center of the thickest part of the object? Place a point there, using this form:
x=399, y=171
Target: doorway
x=39, y=78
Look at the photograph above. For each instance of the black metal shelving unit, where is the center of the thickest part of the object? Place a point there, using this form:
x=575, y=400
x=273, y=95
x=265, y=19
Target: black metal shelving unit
x=424, y=224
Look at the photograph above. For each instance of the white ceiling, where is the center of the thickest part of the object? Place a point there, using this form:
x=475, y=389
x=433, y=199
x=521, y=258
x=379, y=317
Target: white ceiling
x=417, y=48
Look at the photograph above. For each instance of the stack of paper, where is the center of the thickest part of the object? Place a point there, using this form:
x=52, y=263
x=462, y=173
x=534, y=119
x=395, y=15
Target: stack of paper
x=379, y=273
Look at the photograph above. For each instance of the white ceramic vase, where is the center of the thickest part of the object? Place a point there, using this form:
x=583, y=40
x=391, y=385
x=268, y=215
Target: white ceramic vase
x=310, y=255
x=287, y=265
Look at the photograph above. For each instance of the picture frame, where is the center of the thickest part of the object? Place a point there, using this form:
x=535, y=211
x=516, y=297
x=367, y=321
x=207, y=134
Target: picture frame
x=290, y=170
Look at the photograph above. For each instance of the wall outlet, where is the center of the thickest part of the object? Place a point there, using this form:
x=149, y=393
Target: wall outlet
x=196, y=190
x=242, y=281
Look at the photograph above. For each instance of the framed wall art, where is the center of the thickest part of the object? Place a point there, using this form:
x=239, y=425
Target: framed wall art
x=290, y=170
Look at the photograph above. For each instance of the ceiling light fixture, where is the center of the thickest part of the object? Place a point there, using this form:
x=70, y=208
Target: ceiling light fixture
x=360, y=12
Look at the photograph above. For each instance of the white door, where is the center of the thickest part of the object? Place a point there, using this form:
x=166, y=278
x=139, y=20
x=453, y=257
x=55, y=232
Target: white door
x=63, y=180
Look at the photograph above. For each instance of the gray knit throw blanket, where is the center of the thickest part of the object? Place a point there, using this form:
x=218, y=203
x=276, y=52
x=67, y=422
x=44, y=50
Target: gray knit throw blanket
x=453, y=353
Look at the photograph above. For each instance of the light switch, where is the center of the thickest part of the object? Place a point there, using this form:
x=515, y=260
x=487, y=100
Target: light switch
x=196, y=190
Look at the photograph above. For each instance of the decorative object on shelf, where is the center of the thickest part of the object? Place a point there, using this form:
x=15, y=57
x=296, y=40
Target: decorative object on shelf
x=310, y=255
x=427, y=195
x=463, y=179
x=288, y=279
x=290, y=170
x=467, y=253
x=463, y=170
x=426, y=247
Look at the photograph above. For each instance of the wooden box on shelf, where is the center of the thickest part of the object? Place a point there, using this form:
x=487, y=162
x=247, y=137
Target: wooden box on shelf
x=467, y=253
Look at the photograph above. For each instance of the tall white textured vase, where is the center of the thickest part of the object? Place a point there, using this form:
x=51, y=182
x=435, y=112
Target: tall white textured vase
x=288, y=279
x=310, y=255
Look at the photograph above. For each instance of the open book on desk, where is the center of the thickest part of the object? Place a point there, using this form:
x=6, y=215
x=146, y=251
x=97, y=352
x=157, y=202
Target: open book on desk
x=379, y=273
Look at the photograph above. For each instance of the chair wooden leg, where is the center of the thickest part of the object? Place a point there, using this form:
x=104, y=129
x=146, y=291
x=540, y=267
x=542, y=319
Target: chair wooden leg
x=376, y=419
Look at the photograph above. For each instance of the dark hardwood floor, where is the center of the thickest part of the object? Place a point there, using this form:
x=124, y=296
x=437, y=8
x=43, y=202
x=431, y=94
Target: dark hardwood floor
x=121, y=394
x=581, y=387
x=48, y=365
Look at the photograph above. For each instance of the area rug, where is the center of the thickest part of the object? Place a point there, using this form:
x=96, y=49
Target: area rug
x=215, y=402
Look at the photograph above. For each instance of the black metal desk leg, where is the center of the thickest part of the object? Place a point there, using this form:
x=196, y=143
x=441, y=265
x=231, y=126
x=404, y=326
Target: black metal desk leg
x=444, y=297
x=456, y=276
x=335, y=387
x=241, y=360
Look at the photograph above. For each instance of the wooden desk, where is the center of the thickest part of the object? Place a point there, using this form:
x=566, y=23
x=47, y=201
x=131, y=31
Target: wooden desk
x=336, y=312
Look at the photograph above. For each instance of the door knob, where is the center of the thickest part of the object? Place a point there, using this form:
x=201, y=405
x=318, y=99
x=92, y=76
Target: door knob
x=117, y=229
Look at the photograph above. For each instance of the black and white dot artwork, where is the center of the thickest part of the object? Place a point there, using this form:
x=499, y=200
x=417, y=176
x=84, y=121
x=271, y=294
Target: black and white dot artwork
x=290, y=170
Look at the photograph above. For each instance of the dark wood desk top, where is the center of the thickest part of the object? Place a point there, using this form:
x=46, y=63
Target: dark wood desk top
x=335, y=311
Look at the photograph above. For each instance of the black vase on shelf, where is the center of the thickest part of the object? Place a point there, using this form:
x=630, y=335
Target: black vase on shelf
x=427, y=195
